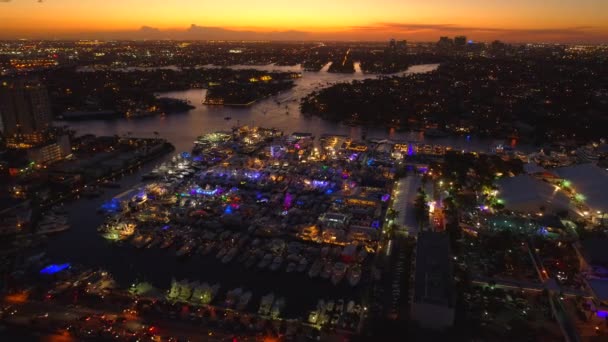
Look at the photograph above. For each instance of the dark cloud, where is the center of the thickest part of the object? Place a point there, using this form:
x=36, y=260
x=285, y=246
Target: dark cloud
x=407, y=27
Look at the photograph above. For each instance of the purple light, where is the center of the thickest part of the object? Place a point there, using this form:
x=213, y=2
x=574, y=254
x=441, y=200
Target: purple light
x=385, y=197
x=602, y=313
x=319, y=184
x=352, y=157
x=200, y=191
x=166, y=227
x=252, y=175
x=287, y=203
x=410, y=150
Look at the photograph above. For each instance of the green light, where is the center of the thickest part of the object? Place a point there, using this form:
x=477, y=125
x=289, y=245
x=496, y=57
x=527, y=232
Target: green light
x=566, y=183
x=580, y=197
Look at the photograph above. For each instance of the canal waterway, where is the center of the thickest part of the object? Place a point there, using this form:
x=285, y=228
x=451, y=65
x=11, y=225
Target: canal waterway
x=84, y=245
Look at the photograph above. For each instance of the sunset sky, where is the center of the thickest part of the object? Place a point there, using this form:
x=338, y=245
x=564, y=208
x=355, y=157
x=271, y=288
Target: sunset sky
x=415, y=20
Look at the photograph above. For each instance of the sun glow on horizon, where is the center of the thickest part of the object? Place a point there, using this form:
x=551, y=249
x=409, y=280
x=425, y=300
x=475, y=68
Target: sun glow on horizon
x=342, y=19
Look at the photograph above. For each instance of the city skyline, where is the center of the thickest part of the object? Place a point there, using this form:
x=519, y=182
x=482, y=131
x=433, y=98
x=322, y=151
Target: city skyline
x=518, y=21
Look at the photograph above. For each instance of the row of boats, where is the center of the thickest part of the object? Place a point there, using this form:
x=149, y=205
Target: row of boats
x=229, y=246
x=336, y=313
x=238, y=299
x=336, y=271
x=192, y=292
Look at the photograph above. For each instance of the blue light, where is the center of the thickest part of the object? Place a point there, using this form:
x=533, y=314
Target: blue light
x=166, y=227
x=228, y=210
x=55, y=268
x=113, y=206
x=370, y=161
x=410, y=150
x=376, y=224
x=185, y=155
x=329, y=191
x=468, y=138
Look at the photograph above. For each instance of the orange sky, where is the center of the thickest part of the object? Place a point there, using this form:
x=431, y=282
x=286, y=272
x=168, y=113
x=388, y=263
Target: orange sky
x=512, y=20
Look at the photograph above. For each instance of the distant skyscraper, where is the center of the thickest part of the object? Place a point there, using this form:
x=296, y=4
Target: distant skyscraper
x=460, y=40
x=445, y=42
x=392, y=45
x=402, y=45
x=25, y=112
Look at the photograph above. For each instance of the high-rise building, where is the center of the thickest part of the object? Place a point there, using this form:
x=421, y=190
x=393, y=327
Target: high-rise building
x=25, y=112
x=445, y=42
x=402, y=46
x=392, y=45
x=460, y=40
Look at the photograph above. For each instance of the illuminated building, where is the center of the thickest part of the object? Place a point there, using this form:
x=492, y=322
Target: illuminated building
x=50, y=152
x=25, y=112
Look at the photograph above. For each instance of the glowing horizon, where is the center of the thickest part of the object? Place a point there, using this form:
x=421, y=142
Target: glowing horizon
x=415, y=20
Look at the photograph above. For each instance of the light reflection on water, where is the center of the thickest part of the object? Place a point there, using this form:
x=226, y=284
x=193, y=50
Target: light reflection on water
x=281, y=111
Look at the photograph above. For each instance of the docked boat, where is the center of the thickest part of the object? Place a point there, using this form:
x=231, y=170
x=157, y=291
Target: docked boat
x=109, y=184
x=137, y=240
x=144, y=242
x=338, y=273
x=244, y=300
x=276, y=263
x=302, y=265
x=185, y=249
x=169, y=240
x=266, y=304
x=208, y=248
x=350, y=307
x=230, y=255
x=327, y=268
x=278, y=305
x=155, y=242
x=265, y=261
x=354, y=275
x=232, y=297
x=220, y=254
x=315, y=269
x=52, y=227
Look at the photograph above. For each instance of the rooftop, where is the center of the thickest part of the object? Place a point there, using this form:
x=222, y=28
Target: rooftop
x=589, y=180
x=433, y=277
x=525, y=193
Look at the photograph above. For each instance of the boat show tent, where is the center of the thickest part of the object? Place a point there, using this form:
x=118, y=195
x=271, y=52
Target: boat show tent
x=589, y=180
x=528, y=194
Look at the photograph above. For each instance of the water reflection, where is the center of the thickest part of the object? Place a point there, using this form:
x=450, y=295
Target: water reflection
x=281, y=111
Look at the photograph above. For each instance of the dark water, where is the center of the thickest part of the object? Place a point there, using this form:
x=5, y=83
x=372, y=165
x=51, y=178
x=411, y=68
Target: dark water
x=82, y=244
x=183, y=128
